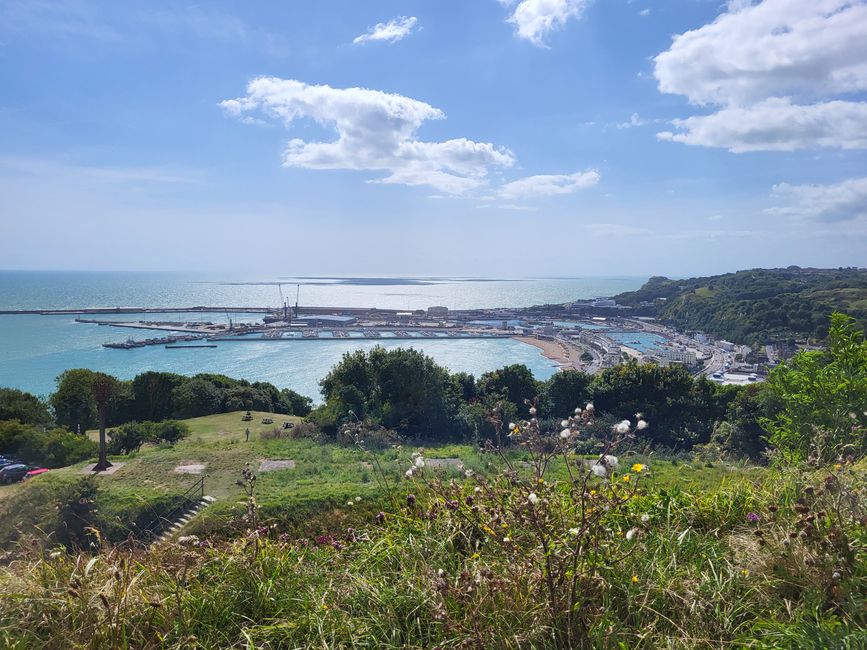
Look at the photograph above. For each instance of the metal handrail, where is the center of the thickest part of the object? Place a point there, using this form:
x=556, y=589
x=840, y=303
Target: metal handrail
x=187, y=500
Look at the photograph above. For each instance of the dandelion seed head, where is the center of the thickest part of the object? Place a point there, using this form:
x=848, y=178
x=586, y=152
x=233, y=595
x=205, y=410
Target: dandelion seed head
x=533, y=498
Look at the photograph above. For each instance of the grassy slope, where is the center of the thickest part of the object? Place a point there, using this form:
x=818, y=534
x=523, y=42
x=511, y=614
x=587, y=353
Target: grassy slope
x=325, y=477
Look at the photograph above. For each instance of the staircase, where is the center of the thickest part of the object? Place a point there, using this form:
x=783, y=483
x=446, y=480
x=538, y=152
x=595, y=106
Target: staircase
x=166, y=526
x=184, y=517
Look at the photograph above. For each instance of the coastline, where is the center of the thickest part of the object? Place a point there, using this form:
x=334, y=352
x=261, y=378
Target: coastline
x=564, y=355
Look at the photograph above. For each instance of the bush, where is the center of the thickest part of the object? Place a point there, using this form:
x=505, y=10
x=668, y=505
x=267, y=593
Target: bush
x=51, y=448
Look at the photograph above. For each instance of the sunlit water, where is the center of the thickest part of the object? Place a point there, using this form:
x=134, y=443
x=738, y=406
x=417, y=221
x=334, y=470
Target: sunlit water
x=35, y=349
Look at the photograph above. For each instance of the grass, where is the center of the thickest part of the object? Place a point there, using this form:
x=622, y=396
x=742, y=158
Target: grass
x=695, y=576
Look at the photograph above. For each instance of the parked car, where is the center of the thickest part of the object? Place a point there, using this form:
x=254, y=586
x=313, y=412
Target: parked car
x=14, y=472
x=35, y=472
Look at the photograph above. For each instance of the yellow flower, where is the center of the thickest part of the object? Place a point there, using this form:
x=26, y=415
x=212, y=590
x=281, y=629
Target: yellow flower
x=838, y=467
x=541, y=481
x=592, y=493
x=638, y=468
x=626, y=478
x=745, y=572
x=634, y=579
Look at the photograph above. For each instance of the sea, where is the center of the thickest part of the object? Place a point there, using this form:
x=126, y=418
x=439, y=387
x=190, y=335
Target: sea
x=35, y=349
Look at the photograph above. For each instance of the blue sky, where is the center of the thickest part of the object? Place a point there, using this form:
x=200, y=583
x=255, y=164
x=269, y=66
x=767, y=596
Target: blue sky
x=484, y=137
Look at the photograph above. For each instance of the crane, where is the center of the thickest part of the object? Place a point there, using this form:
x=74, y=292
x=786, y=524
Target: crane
x=283, y=304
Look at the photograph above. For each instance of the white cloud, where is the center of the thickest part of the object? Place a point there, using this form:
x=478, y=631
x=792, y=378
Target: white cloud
x=776, y=125
x=843, y=201
x=635, y=120
x=644, y=12
x=548, y=184
x=376, y=131
x=535, y=19
x=773, y=68
x=390, y=32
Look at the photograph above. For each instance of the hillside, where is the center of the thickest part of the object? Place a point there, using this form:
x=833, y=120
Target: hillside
x=757, y=306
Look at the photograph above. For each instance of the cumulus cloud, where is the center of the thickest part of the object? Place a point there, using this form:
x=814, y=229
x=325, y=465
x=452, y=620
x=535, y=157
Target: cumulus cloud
x=375, y=131
x=390, y=32
x=776, y=125
x=535, y=19
x=548, y=185
x=843, y=201
x=781, y=66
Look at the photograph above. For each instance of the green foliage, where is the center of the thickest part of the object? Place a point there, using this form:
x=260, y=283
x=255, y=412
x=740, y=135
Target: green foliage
x=76, y=514
x=403, y=389
x=24, y=407
x=758, y=306
x=45, y=448
x=681, y=411
x=564, y=392
x=130, y=437
x=153, y=393
x=823, y=395
x=73, y=403
x=514, y=383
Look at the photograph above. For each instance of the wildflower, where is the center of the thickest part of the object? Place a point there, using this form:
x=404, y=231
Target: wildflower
x=599, y=470
x=745, y=572
x=622, y=426
x=631, y=533
x=634, y=579
x=592, y=493
x=752, y=517
x=564, y=424
x=578, y=411
x=838, y=466
x=532, y=410
x=626, y=478
x=533, y=498
x=611, y=461
x=512, y=426
x=357, y=499
x=641, y=425
x=639, y=416
x=589, y=406
x=350, y=503
x=477, y=489
x=645, y=518
x=55, y=554
x=565, y=433
x=419, y=462
x=638, y=468
x=469, y=473
x=408, y=473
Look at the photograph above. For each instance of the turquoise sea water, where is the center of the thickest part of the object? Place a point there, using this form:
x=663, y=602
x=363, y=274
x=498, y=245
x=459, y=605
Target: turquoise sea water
x=34, y=349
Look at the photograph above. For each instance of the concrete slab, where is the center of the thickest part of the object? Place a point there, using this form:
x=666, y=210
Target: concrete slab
x=273, y=465
x=438, y=463
x=192, y=468
x=111, y=470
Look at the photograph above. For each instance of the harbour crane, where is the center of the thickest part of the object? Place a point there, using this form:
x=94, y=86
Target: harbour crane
x=284, y=305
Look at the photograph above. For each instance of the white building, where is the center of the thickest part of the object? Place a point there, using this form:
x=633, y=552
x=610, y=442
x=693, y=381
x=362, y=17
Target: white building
x=726, y=345
x=686, y=357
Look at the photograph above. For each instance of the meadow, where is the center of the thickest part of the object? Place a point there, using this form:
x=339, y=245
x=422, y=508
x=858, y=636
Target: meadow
x=502, y=551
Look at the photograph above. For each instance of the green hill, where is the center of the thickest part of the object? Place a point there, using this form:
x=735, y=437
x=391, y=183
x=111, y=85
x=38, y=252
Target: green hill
x=757, y=306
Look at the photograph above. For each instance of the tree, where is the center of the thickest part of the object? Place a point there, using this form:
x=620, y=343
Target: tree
x=24, y=407
x=129, y=437
x=153, y=395
x=514, y=383
x=196, y=396
x=48, y=448
x=823, y=396
x=293, y=403
x=73, y=402
x=564, y=392
x=403, y=389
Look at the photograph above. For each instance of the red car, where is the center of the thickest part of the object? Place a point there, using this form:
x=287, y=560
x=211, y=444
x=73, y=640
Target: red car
x=34, y=472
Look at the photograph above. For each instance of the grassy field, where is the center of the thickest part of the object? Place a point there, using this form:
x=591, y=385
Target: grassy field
x=311, y=497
